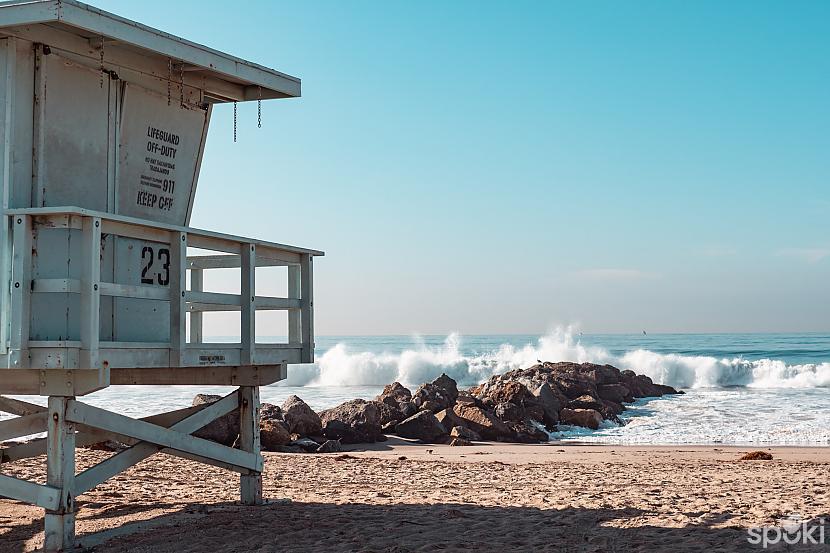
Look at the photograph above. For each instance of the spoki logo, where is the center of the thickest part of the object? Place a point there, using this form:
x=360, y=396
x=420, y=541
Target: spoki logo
x=790, y=530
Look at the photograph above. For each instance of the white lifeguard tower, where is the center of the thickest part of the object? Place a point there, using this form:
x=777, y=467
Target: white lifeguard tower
x=104, y=124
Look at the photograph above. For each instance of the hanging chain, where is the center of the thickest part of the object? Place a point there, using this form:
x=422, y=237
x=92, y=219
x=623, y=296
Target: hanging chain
x=102, y=61
x=234, y=121
x=181, y=83
x=259, y=109
x=169, y=78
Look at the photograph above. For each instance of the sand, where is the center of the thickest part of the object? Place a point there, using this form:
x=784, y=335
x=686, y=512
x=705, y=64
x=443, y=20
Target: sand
x=399, y=497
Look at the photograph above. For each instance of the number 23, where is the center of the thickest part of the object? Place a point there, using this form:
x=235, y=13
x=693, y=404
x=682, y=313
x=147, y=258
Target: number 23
x=147, y=256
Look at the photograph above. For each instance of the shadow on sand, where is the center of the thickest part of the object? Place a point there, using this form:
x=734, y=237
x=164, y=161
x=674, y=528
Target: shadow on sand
x=397, y=528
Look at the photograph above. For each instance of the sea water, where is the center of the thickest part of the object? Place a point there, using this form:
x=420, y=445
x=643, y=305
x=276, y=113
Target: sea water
x=762, y=389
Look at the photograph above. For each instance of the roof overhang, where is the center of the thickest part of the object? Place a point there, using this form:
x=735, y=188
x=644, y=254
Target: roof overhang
x=93, y=24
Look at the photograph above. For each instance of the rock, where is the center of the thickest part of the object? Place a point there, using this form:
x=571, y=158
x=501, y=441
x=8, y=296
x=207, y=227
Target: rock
x=307, y=444
x=223, y=430
x=586, y=402
x=528, y=433
x=300, y=418
x=389, y=414
x=436, y=395
x=464, y=432
x=448, y=385
x=487, y=425
x=587, y=418
x=460, y=442
x=618, y=393
x=422, y=426
x=551, y=402
x=448, y=419
x=756, y=456
x=269, y=411
x=466, y=398
x=353, y=422
x=330, y=446
x=273, y=434
x=508, y=412
x=106, y=445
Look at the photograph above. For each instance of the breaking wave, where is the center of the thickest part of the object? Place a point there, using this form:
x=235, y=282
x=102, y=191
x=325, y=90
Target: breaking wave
x=340, y=366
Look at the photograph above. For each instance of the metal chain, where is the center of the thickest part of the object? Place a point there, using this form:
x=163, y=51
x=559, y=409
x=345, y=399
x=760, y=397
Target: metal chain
x=234, y=121
x=259, y=109
x=102, y=61
x=169, y=78
x=181, y=83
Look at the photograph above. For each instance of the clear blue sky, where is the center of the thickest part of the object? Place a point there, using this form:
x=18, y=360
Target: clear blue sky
x=506, y=167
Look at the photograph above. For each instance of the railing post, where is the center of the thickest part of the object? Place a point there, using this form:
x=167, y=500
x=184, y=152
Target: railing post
x=196, y=285
x=247, y=297
x=295, y=292
x=59, y=534
x=307, y=307
x=21, y=291
x=90, y=315
x=178, y=303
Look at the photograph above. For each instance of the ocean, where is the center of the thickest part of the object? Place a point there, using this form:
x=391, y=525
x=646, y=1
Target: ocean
x=747, y=389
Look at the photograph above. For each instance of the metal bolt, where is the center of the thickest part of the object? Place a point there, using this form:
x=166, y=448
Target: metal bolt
x=54, y=415
x=184, y=238
x=97, y=223
x=17, y=285
x=19, y=221
x=94, y=286
x=182, y=294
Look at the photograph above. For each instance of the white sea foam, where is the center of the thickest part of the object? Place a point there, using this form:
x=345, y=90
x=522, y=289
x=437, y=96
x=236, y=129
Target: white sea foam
x=342, y=366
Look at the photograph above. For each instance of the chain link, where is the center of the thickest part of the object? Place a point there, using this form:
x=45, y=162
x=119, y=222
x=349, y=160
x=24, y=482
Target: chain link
x=169, y=78
x=102, y=61
x=181, y=83
x=234, y=121
x=259, y=109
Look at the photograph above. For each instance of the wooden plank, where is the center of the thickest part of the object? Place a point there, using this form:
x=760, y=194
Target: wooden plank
x=231, y=261
x=90, y=293
x=18, y=407
x=177, y=290
x=56, y=285
x=20, y=291
x=247, y=298
x=133, y=291
x=47, y=497
x=249, y=440
x=226, y=241
x=23, y=426
x=213, y=298
x=59, y=523
x=52, y=382
x=295, y=292
x=215, y=376
x=261, y=303
x=120, y=462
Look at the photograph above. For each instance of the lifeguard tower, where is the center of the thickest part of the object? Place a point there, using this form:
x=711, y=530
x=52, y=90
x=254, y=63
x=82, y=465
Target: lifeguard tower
x=104, y=124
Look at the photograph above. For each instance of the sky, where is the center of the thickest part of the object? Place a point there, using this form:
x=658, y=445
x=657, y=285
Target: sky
x=508, y=167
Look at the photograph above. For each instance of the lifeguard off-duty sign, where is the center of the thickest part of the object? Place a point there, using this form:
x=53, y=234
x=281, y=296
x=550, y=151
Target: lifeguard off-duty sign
x=159, y=150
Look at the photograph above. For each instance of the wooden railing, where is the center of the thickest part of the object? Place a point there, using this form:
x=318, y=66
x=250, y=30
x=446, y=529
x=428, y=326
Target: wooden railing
x=182, y=350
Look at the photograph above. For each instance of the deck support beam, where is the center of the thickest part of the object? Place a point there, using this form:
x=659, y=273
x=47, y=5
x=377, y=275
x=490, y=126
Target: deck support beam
x=250, y=484
x=59, y=533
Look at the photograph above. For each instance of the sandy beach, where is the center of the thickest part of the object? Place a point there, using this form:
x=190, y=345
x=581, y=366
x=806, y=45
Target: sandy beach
x=401, y=497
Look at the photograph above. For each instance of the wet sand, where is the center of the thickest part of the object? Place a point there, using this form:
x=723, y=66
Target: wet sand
x=399, y=497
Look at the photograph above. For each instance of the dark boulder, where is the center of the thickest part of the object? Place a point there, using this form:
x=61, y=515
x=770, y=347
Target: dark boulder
x=300, y=418
x=273, y=434
x=353, y=422
x=423, y=426
x=436, y=395
x=587, y=418
x=487, y=425
x=223, y=430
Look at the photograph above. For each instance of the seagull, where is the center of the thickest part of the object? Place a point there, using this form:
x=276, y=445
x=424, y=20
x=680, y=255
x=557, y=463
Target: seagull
x=644, y=333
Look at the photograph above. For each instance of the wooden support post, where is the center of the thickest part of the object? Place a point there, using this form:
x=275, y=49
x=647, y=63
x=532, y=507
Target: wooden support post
x=197, y=284
x=250, y=484
x=307, y=306
x=247, y=298
x=178, y=304
x=60, y=474
x=20, y=291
